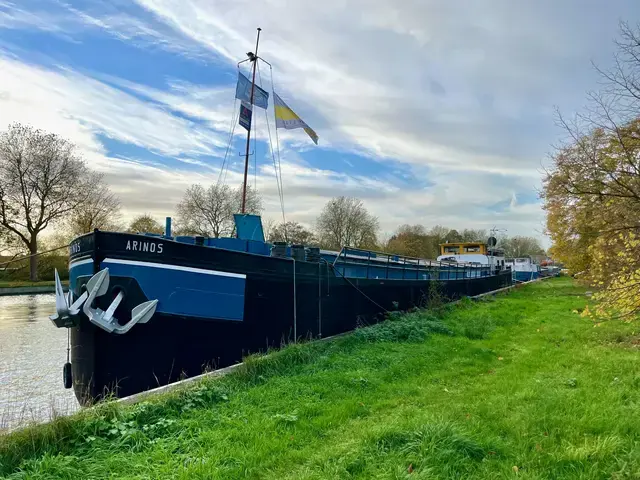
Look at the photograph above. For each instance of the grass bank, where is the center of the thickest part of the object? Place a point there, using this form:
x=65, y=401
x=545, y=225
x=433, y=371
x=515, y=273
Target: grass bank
x=519, y=386
x=26, y=283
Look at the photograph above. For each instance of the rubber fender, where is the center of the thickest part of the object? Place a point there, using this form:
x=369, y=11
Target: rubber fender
x=67, y=379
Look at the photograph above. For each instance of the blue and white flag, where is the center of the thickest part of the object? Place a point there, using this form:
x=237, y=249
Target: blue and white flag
x=243, y=92
x=245, y=115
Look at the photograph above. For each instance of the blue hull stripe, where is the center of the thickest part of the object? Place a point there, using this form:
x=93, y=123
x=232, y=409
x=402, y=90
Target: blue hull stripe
x=187, y=291
x=526, y=276
x=80, y=268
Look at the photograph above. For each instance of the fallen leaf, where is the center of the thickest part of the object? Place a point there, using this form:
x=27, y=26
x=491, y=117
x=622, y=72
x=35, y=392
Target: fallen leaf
x=446, y=390
x=500, y=358
x=515, y=468
x=538, y=447
x=410, y=469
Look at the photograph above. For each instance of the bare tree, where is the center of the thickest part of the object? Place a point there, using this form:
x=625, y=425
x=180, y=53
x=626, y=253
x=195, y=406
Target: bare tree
x=5, y=238
x=100, y=210
x=268, y=226
x=345, y=221
x=293, y=233
x=411, y=240
x=520, y=246
x=42, y=179
x=205, y=211
x=471, y=235
x=145, y=223
x=209, y=212
x=439, y=232
x=253, y=204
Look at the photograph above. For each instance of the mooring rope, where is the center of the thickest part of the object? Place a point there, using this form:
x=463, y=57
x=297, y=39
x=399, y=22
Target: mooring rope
x=320, y=299
x=19, y=259
x=358, y=290
x=295, y=305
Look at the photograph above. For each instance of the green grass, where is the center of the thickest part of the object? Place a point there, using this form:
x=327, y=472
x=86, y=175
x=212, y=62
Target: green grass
x=519, y=386
x=26, y=283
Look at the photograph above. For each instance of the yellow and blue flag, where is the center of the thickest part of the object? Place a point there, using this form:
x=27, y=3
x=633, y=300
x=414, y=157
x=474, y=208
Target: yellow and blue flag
x=286, y=118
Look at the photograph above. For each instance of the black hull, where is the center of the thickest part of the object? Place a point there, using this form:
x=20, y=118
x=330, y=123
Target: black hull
x=170, y=347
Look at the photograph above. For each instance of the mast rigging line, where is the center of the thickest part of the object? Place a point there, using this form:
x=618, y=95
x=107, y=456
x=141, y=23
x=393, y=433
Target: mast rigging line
x=253, y=57
x=232, y=129
x=255, y=153
x=277, y=171
x=273, y=91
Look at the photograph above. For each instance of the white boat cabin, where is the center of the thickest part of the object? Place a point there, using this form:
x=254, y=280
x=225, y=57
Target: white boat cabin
x=472, y=252
x=523, y=268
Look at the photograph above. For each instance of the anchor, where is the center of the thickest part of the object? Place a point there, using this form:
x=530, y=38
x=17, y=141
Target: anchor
x=98, y=286
x=68, y=311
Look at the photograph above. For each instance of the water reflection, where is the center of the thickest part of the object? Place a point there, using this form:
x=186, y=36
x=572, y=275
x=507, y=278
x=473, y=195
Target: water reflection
x=32, y=352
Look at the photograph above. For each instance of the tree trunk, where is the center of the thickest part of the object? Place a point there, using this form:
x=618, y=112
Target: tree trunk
x=33, y=260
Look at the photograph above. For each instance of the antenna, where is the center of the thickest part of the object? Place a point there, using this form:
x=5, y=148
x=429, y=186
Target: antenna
x=492, y=241
x=494, y=231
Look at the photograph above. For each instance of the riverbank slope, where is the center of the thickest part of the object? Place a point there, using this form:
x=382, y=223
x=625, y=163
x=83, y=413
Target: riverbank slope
x=519, y=385
x=19, y=287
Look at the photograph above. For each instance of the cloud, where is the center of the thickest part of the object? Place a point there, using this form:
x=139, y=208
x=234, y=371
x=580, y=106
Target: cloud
x=211, y=104
x=77, y=106
x=462, y=102
x=18, y=18
x=118, y=19
x=368, y=73
x=84, y=110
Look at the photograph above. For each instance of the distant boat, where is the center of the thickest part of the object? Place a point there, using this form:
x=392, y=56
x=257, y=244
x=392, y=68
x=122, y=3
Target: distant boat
x=523, y=269
x=473, y=252
x=146, y=310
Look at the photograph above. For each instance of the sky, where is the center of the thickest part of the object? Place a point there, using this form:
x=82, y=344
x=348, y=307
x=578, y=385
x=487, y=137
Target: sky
x=431, y=112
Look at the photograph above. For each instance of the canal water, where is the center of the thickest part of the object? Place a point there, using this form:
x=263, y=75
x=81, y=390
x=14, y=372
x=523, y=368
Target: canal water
x=32, y=353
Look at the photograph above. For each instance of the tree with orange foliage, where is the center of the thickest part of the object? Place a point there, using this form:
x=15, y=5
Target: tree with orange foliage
x=592, y=191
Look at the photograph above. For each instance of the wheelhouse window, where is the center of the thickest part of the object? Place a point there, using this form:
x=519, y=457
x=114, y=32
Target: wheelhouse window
x=472, y=249
x=451, y=249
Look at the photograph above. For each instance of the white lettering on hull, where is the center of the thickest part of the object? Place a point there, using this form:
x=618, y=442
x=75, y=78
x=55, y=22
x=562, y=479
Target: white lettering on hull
x=140, y=246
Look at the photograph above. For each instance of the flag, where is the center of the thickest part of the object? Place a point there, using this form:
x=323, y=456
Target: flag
x=243, y=92
x=245, y=115
x=286, y=118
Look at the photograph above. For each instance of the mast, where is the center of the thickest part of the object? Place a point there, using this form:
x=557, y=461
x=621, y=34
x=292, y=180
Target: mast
x=254, y=59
